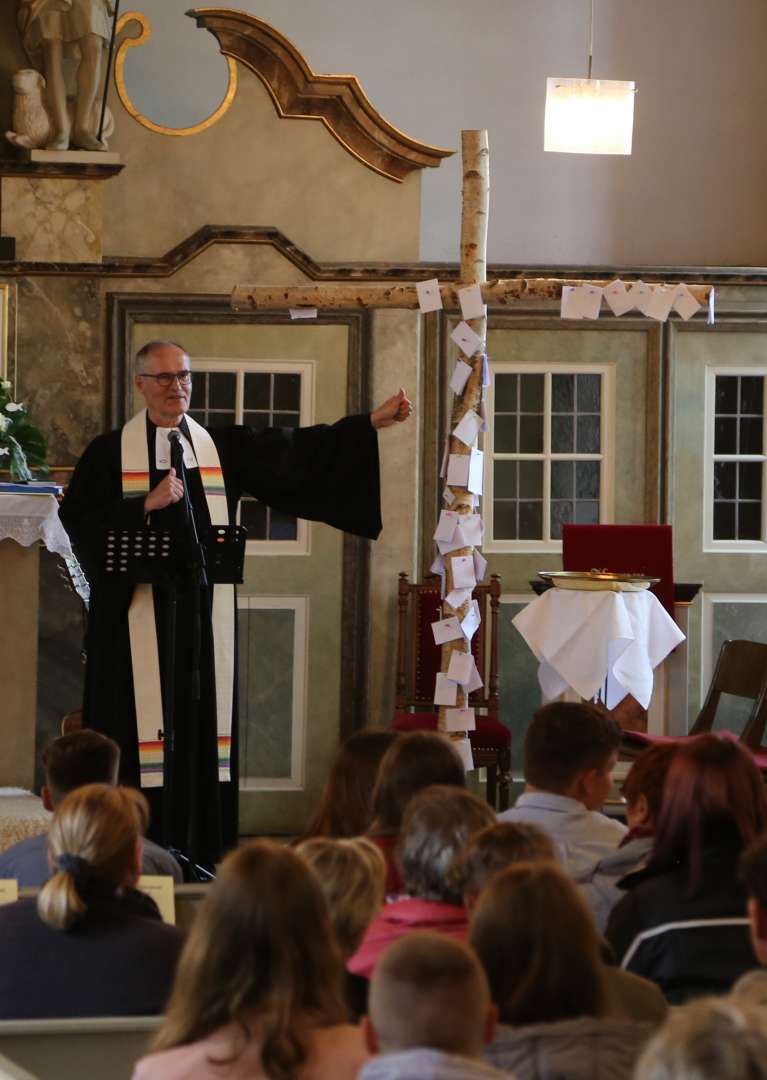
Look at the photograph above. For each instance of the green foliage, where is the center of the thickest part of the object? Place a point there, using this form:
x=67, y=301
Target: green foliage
x=22, y=445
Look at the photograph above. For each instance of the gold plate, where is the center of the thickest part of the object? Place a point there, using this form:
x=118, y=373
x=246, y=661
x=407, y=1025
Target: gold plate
x=598, y=580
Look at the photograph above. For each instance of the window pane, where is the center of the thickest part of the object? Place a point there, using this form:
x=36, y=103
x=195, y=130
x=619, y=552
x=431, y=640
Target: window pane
x=531, y=434
x=257, y=390
x=749, y=480
x=586, y=513
x=282, y=526
x=198, y=416
x=197, y=400
x=505, y=479
x=287, y=392
x=587, y=435
x=286, y=419
x=750, y=521
x=253, y=517
x=562, y=479
x=724, y=520
x=724, y=479
x=531, y=393
x=505, y=434
x=751, y=435
x=752, y=394
x=589, y=393
x=562, y=435
x=587, y=479
x=726, y=395
x=505, y=520
x=531, y=521
x=505, y=393
x=561, y=512
x=562, y=393
x=530, y=480
x=257, y=420
x=222, y=389
x=725, y=436
x=220, y=419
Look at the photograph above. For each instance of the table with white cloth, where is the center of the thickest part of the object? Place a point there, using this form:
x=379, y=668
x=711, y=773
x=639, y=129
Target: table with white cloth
x=25, y=522
x=598, y=642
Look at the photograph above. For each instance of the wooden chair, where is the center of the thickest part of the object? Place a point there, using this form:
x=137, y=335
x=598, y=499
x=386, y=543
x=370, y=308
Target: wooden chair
x=71, y=1049
x=418, y=661
x=741, y=670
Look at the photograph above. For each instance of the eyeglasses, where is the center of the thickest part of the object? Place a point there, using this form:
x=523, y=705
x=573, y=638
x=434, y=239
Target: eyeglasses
x=166, y=378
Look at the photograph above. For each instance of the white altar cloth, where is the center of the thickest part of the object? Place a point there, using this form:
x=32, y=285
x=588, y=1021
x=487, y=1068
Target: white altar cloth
x=30, y=518
x=585, y=640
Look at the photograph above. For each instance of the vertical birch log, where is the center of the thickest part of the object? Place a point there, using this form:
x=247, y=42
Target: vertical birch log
x=474, y=220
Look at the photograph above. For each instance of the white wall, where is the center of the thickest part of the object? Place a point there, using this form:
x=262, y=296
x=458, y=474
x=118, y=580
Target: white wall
x=691, y=193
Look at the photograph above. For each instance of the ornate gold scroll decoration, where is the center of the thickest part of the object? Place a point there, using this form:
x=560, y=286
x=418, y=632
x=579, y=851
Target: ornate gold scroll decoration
x=122, y=90
x=299, y=93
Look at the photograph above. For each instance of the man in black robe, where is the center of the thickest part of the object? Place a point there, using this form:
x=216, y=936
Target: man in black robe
x=322, y=473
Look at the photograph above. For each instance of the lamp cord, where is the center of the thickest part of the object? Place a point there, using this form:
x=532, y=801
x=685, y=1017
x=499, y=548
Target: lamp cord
x=591, y=39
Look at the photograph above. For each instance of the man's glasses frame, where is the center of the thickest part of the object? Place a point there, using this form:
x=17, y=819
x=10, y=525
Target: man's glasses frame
x=167, y=378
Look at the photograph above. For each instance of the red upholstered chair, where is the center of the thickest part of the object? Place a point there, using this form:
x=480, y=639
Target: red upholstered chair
x=633, y=549
x=418, y=661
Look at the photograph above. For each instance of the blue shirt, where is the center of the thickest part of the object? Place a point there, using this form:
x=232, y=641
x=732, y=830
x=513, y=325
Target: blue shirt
x=27, y=862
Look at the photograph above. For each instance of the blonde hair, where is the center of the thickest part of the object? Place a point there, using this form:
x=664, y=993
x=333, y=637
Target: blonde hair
x=93, y=836
x=352, y=875
x=261, y=955
x=710, y=1039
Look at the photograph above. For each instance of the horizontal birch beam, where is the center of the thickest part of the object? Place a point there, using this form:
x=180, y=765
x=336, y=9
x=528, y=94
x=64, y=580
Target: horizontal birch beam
x=497, y=293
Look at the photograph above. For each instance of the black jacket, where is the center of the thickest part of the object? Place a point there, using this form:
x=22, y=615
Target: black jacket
x=690, y=945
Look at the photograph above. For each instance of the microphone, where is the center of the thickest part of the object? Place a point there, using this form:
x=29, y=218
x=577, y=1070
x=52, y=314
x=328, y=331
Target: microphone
x=176, y=453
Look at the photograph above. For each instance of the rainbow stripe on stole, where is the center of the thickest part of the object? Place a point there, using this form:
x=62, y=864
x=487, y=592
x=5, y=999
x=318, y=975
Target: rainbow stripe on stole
x=143, y=634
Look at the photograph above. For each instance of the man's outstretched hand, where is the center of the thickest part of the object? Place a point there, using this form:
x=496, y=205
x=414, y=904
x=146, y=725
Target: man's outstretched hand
x=393, y=411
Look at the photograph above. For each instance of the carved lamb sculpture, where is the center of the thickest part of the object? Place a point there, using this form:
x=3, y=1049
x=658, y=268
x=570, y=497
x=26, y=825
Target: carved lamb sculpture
x=31, y=122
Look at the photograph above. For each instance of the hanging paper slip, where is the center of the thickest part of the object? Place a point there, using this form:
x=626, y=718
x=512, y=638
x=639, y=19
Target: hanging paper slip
x=445, y=691
x=660, y=303
x=457, y=598
x=640, y=295
x=460, y=667
x=460, y=376
x=465, y=470
x=459, y=720
x=487, y=377
x=480, y=565
x=447, y=496
x=458, y=541
x=617, y=297
x=471, y=527
x=463, y=572
x=429, y=295
x=468, y=427
x=438, y=567
x=463, y=746
x=303, y=312
x=445, y=530
x=466, y=339
x=475, y=680
x=472, y=304
x=446, y=630
x=590, y=301
x=711, y=308
x=684, y=302
x=470, y=623
x=570, y=304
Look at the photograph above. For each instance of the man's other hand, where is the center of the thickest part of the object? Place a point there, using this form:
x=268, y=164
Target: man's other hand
x=169, y=490
x=393, y=411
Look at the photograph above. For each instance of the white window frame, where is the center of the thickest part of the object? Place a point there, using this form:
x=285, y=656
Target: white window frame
x=300, y=606
x=306, y=369
x=734, y=547
x=606, y=457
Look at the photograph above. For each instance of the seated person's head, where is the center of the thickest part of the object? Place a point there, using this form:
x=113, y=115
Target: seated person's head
x=352, y=874
x=753, y=875
x=429, y=990
x=94, y=841
x=84, y=757
x=538, y=944
x=494, y=849
x=643, y=787
x=346, y=807
x=437, y=826
x=709, y=1039
x=261, y=956
x=571, y=749
x=415, y=761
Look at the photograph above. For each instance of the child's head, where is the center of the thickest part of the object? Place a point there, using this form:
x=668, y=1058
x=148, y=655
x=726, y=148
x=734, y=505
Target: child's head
x=643, y=787
x=413, y=762
x=571, y=749
x=494, y=849
x=429, y=990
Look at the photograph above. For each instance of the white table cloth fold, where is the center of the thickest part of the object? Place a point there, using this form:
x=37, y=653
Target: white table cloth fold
x=594, y=641
x=30, y=518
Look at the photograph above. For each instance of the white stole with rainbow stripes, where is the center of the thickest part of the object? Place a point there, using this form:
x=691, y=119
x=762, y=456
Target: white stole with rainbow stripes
x=145, y=658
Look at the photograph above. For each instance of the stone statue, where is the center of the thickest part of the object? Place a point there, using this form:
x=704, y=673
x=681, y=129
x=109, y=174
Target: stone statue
x=48, y=29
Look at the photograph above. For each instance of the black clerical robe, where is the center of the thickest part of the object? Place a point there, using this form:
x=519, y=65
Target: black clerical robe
x=322, y=473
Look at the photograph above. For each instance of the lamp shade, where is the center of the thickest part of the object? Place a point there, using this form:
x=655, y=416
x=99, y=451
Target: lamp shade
x=589, y=116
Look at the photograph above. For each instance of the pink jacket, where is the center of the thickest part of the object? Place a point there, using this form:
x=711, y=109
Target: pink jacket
x=400, y=917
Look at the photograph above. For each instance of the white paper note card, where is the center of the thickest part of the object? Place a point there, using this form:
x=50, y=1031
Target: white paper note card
x=9, y=890
x=445, y=691
x=640, y=295
x=471, y=622
x=447, y=496
x=303, y=312
x=468, y=427
x=480, y=565
x=475, y=680
x=445, y=530
x=471, y=527
x=463, y=746
x=465, y=338
x=617, y=297
x=160, y=888
x=590, y=301
x=458, y=541
x=711, y=312
x=457, y=598
x=460, y=376
x=472, y=304
x=446, y=630
x=429, y=296
x=570, y=305
x=487, y=377
x=685, y=303
x=459, y=720
x=476, y=466
x=463, y=572
x=458, y=470
x=660, y=303
x=460, y=667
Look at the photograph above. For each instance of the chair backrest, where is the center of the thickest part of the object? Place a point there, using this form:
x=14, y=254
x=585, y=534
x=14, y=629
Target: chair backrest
x=419, y=659
x=73, y=1049
x=741, y=670
x=632, y=549
x=187, y=900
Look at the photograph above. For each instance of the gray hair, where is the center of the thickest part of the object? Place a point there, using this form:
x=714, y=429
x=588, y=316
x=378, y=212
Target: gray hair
x=142, y=356
x=710, y=1039
x=437, y=825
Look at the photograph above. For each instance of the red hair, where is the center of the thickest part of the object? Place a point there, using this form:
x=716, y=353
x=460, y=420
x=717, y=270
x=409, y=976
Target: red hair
x=713, y=797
